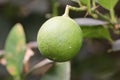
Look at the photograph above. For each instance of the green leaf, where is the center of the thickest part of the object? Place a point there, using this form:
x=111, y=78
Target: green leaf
x=96, y=32
x=14, y=50
x=107, y=4
x=60, y=71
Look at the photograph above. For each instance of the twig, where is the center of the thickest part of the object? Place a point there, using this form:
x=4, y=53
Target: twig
x=68, y=8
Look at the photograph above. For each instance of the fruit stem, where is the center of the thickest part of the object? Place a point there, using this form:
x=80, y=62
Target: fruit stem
x=66, y=11
x=68, y=8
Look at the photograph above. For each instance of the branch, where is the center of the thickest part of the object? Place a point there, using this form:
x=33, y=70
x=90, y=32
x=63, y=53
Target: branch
x=68, y=8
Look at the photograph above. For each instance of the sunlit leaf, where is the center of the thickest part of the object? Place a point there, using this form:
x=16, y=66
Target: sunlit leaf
x=107, y=4
x=60, y=71
x=96, y=32
x=14, y=50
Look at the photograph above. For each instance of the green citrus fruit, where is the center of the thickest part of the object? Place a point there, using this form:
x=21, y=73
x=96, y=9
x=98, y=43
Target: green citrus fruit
x=59, y=38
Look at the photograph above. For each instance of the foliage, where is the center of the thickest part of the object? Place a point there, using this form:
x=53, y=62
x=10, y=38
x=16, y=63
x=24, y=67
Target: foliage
x=15, y=50
x=91, y=65
x=109, y=6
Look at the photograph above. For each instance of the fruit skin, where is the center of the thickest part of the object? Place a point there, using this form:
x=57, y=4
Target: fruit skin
x=59, y=39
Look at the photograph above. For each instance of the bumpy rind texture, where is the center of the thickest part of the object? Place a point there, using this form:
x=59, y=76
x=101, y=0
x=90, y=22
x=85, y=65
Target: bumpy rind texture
x=59, y=39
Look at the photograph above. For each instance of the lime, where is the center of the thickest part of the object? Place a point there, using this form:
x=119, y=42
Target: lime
x=59, y=39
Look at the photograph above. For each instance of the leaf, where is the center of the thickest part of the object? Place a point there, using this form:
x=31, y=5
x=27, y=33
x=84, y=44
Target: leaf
x=15, y=49
x=96, y=32
x=107, y=4
x=116, y=45
x=89, y=22
x=60, y=71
